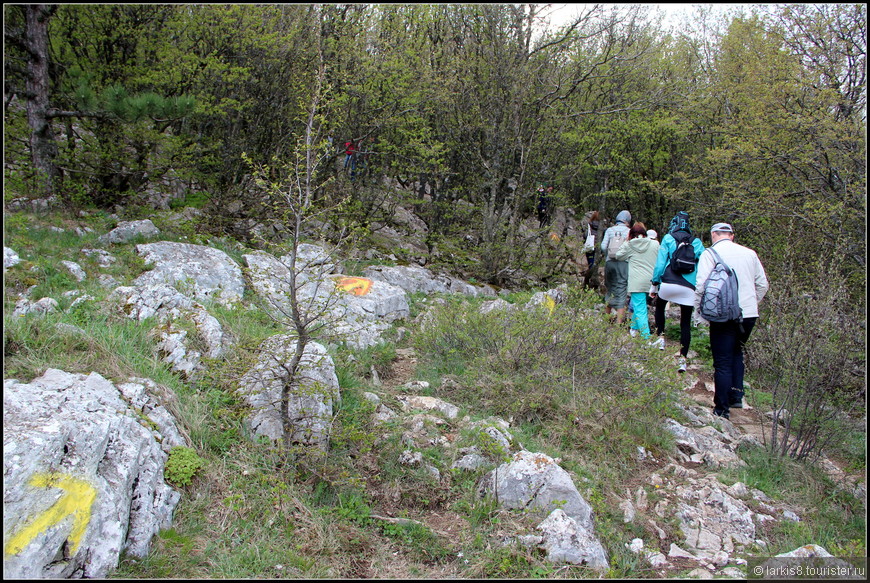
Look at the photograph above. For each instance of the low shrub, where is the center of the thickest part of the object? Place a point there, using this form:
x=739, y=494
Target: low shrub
x=182, y=465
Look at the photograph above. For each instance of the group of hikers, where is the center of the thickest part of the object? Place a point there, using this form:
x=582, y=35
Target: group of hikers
x=679, y=270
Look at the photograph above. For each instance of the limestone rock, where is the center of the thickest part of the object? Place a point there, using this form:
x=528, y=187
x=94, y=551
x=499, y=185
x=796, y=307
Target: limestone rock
x=359, y=310
x=534, y=481
x=565, y=540
x=412, y=402
x=10, y=258
x=712, y=520
x=203, y=273
x=419, y=279
x=470, y=462
x=78, y=444
x=75, y=269
x=496, y=305
x=41, y=306
x=168, y=305
x=127, y=230
x=101, y=256
x=313, y=395
x=709, y=445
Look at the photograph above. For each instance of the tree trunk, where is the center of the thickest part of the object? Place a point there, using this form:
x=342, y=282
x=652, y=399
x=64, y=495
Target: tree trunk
x=43, y=148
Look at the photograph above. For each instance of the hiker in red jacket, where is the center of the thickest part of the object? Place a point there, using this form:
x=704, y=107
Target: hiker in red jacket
x=350, y=155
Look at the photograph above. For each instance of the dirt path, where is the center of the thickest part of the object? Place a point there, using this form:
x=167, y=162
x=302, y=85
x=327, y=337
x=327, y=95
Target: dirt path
x=748, y=419
x=401, y=370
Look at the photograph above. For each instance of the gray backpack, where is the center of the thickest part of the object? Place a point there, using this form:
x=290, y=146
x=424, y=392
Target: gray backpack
x=617, y=238
x=719, y=299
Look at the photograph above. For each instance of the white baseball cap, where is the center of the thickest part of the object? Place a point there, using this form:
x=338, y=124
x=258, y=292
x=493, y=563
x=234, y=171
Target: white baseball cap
x=721, y=228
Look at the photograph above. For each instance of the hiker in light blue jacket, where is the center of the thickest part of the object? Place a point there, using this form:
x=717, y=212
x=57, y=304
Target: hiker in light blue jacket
x=616, y=272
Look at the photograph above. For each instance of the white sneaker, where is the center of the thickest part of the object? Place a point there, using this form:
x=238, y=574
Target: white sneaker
x=658, y=343
x=633, y=332
x=682, y=364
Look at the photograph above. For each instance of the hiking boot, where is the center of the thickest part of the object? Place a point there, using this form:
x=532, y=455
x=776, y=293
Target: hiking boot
x=682, y=364
x=736, y=399
x=721, y=413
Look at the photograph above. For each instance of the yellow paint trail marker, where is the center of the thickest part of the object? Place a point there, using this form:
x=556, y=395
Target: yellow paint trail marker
x=78, y=498
x=358, y=286
x=550, y=303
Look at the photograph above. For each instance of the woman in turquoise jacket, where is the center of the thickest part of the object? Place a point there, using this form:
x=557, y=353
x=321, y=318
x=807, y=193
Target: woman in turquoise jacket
x=677, y=288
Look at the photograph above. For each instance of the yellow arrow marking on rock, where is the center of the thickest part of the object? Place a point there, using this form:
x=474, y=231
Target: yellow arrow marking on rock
x=358, y=286
x=77, y=500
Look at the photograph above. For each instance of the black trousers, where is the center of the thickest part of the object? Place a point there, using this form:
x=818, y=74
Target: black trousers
x=685, y=323
x=727, y=340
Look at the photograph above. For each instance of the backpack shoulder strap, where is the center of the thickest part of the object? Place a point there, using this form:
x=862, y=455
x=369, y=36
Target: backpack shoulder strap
x=718, y=258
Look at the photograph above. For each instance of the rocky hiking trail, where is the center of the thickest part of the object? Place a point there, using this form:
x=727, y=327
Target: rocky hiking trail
x=750, y=421
x=677, y=478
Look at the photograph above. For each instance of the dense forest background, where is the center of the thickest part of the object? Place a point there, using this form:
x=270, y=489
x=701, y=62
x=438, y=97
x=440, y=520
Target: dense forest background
x=756, y=118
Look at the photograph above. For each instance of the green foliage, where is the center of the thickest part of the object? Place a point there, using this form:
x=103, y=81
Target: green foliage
x=195, y=199
x=418, y=539
x=18, y=184
x=378, y=358
x=183, y=464
x=808, y=356
x=556, y=374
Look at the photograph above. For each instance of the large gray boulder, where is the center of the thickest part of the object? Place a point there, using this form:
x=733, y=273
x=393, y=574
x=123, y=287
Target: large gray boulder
x=314, y=392
x=355, y=310
x=204, y=273
x=10, y=258
x=83, y=463
x=126, y=231
x=535, y=482
x=414, y=279
x=568, y=542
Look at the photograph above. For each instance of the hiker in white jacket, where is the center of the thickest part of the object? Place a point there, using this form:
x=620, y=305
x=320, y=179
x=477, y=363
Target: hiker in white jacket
x=728, y=338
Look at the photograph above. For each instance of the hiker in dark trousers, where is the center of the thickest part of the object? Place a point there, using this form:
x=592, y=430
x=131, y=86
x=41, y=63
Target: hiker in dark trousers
x=593, y=228
x=728, y=338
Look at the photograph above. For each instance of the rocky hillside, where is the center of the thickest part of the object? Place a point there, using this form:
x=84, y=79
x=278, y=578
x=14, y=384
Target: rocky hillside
x=433, y=428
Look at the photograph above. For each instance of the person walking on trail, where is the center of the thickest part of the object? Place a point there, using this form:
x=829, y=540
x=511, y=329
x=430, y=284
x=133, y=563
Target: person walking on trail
x=615, y=271
x=676, y=284
x=728, y=338
x=593, y=230
x=350, y=155
x=545, y=202
x=641, y=253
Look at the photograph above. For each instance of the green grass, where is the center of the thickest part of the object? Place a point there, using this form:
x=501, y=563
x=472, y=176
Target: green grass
x=831, y=517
